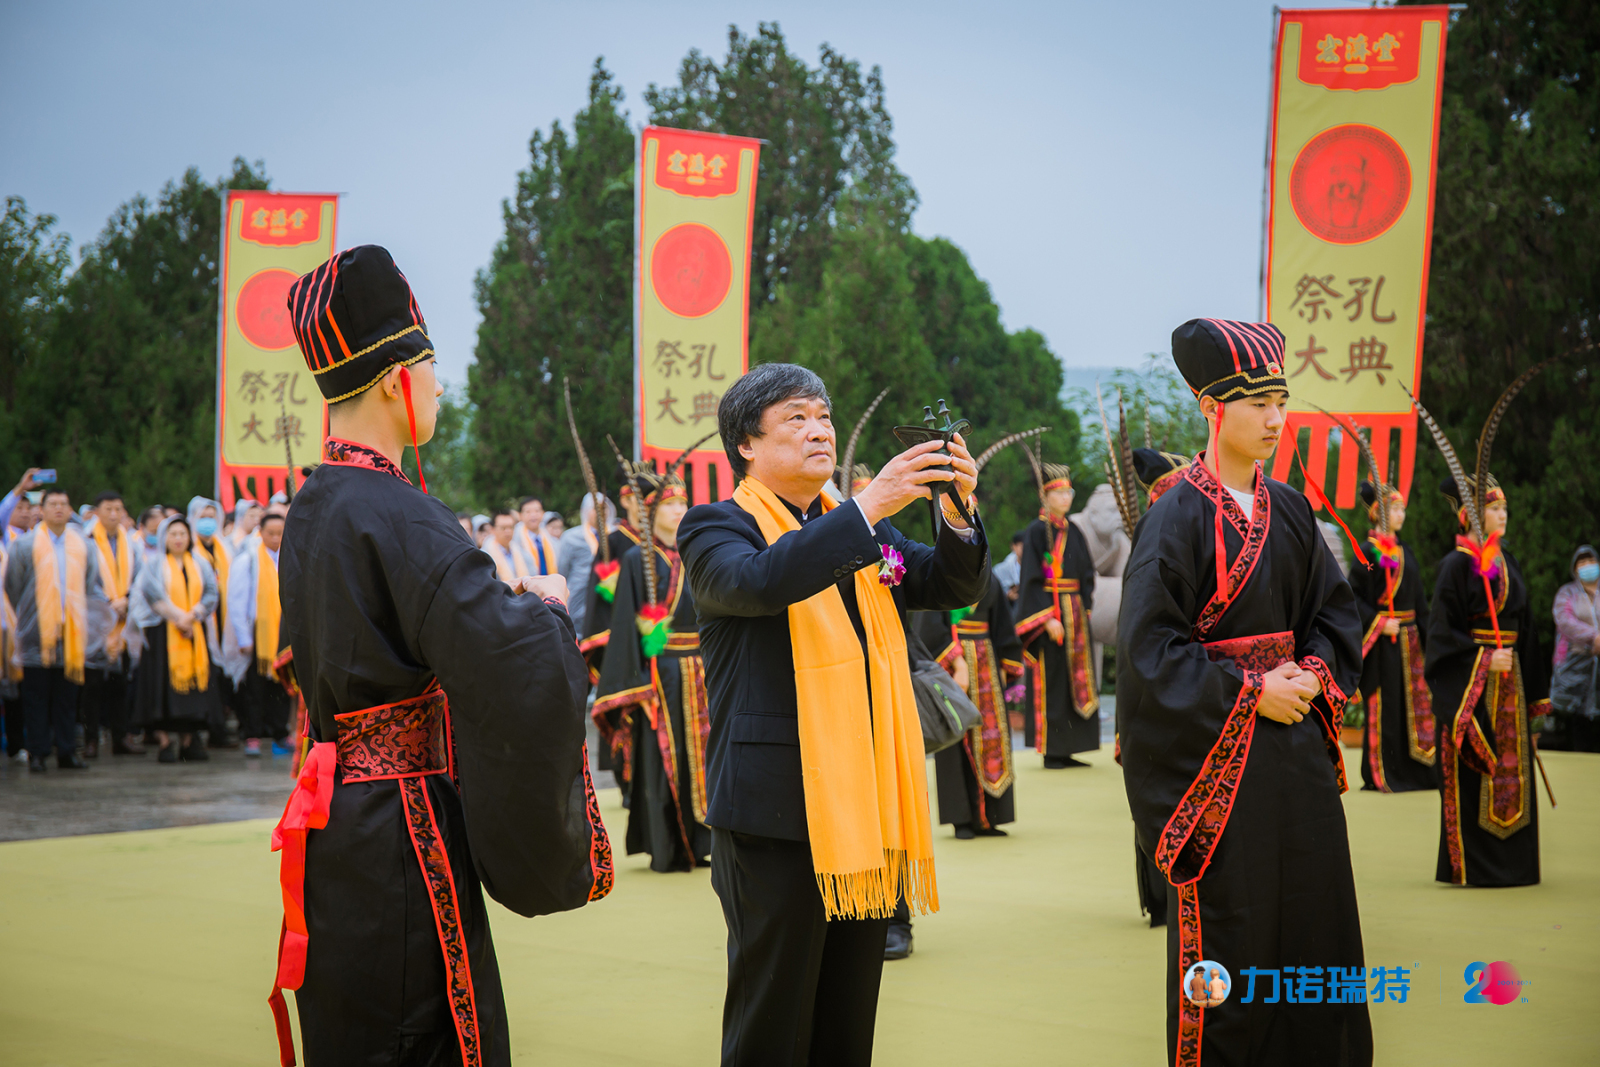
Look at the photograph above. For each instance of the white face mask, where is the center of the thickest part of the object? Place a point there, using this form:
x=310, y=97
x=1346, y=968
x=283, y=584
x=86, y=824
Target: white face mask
x=1588, y=572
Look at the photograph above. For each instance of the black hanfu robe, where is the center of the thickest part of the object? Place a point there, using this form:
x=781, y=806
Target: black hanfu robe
x=1242, y=814
x=1398, y=749
x=976, y=779
x=1489, y=825
x=1063, y=703
x=652, y=714
x=597, y=609
x=481, y=786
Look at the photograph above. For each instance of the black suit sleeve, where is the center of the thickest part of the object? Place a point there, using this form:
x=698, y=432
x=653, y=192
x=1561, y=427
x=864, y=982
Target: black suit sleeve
x=733, y=575
x=948, y=575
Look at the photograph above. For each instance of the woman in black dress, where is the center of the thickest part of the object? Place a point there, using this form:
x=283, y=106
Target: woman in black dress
x=176, y=697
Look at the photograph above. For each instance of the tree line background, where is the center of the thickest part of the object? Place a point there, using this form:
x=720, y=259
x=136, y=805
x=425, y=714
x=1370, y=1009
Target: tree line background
x=107, y=369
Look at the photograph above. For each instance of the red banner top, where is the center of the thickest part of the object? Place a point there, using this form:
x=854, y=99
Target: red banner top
x=1361, y=48
x=697, y=164
x=280, y=219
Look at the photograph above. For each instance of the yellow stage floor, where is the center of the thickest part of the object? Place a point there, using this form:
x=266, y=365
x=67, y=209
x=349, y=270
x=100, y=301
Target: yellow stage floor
x=156, y=947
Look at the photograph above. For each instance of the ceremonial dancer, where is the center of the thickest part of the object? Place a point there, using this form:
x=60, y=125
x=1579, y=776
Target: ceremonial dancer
x=631, y=489
x=1488, y=677
x=1052, y=615
x=815, y=766
x=1237, y=642
x=653, y=689
x=1398, y=746
x=978, y=646
x=446, y=715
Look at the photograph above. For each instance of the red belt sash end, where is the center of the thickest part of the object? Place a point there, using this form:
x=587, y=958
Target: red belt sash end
x=306, y=810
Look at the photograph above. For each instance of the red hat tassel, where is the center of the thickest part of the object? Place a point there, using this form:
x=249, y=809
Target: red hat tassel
x=1317, y=489
x=411, y=420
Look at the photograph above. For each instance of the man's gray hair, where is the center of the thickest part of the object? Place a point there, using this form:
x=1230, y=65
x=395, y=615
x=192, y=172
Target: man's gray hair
x=740, y=410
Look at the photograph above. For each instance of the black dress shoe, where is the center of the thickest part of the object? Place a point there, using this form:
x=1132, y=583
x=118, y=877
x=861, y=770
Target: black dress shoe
x=898, y=945
x=36, y=764
x=194, y=752
x=992, y=831
x=169, y=753
x=965, y=832
x=127, y=746
x=71, y=763
x=1056, y=763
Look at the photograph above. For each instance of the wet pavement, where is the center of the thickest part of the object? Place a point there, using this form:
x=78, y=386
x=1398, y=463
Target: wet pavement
x=137, y=793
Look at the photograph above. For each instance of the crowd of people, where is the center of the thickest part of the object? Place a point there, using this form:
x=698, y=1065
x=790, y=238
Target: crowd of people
x=119, y=633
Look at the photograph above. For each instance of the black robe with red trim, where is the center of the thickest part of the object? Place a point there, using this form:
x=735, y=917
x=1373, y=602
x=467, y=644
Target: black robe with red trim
x=1489, y=829
x=1242, y=814
x=1063, y=702
x=977, y=778
x=1398, y=747
x=383, y=593
x=656, y=720
x=597, y=609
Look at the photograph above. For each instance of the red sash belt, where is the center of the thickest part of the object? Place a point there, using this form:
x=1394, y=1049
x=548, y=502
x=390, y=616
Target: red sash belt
x=403, y=742
x=972, y=628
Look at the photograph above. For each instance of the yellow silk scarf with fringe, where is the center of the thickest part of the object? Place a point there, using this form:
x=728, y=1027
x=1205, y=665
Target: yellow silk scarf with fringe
x=861, y=752
x=68, y=627
x=188, y=662
x=268, y=611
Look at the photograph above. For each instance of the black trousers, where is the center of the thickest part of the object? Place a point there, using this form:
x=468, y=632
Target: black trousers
x=50, y=704
x=14, y=727
x=105, y=700
x=263, y=707
x=801, y=990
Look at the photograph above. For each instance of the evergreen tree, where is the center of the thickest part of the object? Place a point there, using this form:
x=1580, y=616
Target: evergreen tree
x=557, y=301
x=1514, y=279
x=33, y=262
x=124, y=394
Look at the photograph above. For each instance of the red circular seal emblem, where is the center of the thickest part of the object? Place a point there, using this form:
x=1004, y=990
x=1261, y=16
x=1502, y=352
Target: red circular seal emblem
x=690, y=270
x=1350, y=184
x=262, y=309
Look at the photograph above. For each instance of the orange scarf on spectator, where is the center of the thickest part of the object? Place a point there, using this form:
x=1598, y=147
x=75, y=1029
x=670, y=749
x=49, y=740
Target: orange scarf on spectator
x=116, y=568
x=188, y=662
x=268, y=611
x=861, y=752
x=69, y=627
x=217, y=556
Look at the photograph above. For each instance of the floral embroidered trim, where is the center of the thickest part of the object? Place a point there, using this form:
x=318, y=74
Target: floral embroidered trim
x=1374, y=746
x=602, y=869
x=1504, y=795
x=342, y=453
x=1191, y=1016
x=1421, y=730
x=398, y=740
x=441, y=886
x=1254, y=533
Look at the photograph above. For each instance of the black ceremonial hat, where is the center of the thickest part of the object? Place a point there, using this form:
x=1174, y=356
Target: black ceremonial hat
x=355, y=317
x=1154, y=468
x=1228, y=360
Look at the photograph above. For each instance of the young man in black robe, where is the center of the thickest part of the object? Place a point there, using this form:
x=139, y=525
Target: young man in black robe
x=1063, y=706
x=815, y=767
x=979, y=648
x=1398, y=749
x=1238, y=639
x=650, y=705
x=446, y=710
x=1489, y=677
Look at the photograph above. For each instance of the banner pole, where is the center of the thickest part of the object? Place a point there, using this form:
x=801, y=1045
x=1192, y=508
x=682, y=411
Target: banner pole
x=222, y=299
x=1266, y=166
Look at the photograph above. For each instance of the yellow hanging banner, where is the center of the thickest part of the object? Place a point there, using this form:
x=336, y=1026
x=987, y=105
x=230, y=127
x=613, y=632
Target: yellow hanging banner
x=697, y=196
x=268, y=406
x=1350, y=174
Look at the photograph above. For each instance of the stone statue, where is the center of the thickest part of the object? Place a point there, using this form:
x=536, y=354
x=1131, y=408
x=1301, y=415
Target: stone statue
x=1101, y=525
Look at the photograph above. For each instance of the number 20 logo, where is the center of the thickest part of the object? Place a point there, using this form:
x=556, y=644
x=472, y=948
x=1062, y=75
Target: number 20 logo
x=1491, y=983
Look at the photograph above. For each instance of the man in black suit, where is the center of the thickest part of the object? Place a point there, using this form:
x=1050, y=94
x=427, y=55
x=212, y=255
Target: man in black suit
x=801, y=989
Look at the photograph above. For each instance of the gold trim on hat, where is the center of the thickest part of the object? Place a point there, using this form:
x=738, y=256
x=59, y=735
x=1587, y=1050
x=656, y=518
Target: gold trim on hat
x=418, y=358
x=373, y=348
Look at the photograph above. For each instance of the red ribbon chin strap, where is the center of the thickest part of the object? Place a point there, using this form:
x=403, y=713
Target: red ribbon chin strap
x=411, y=420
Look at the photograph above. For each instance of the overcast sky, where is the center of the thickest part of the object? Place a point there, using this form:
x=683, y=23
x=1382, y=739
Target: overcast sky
x=1100, y=163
